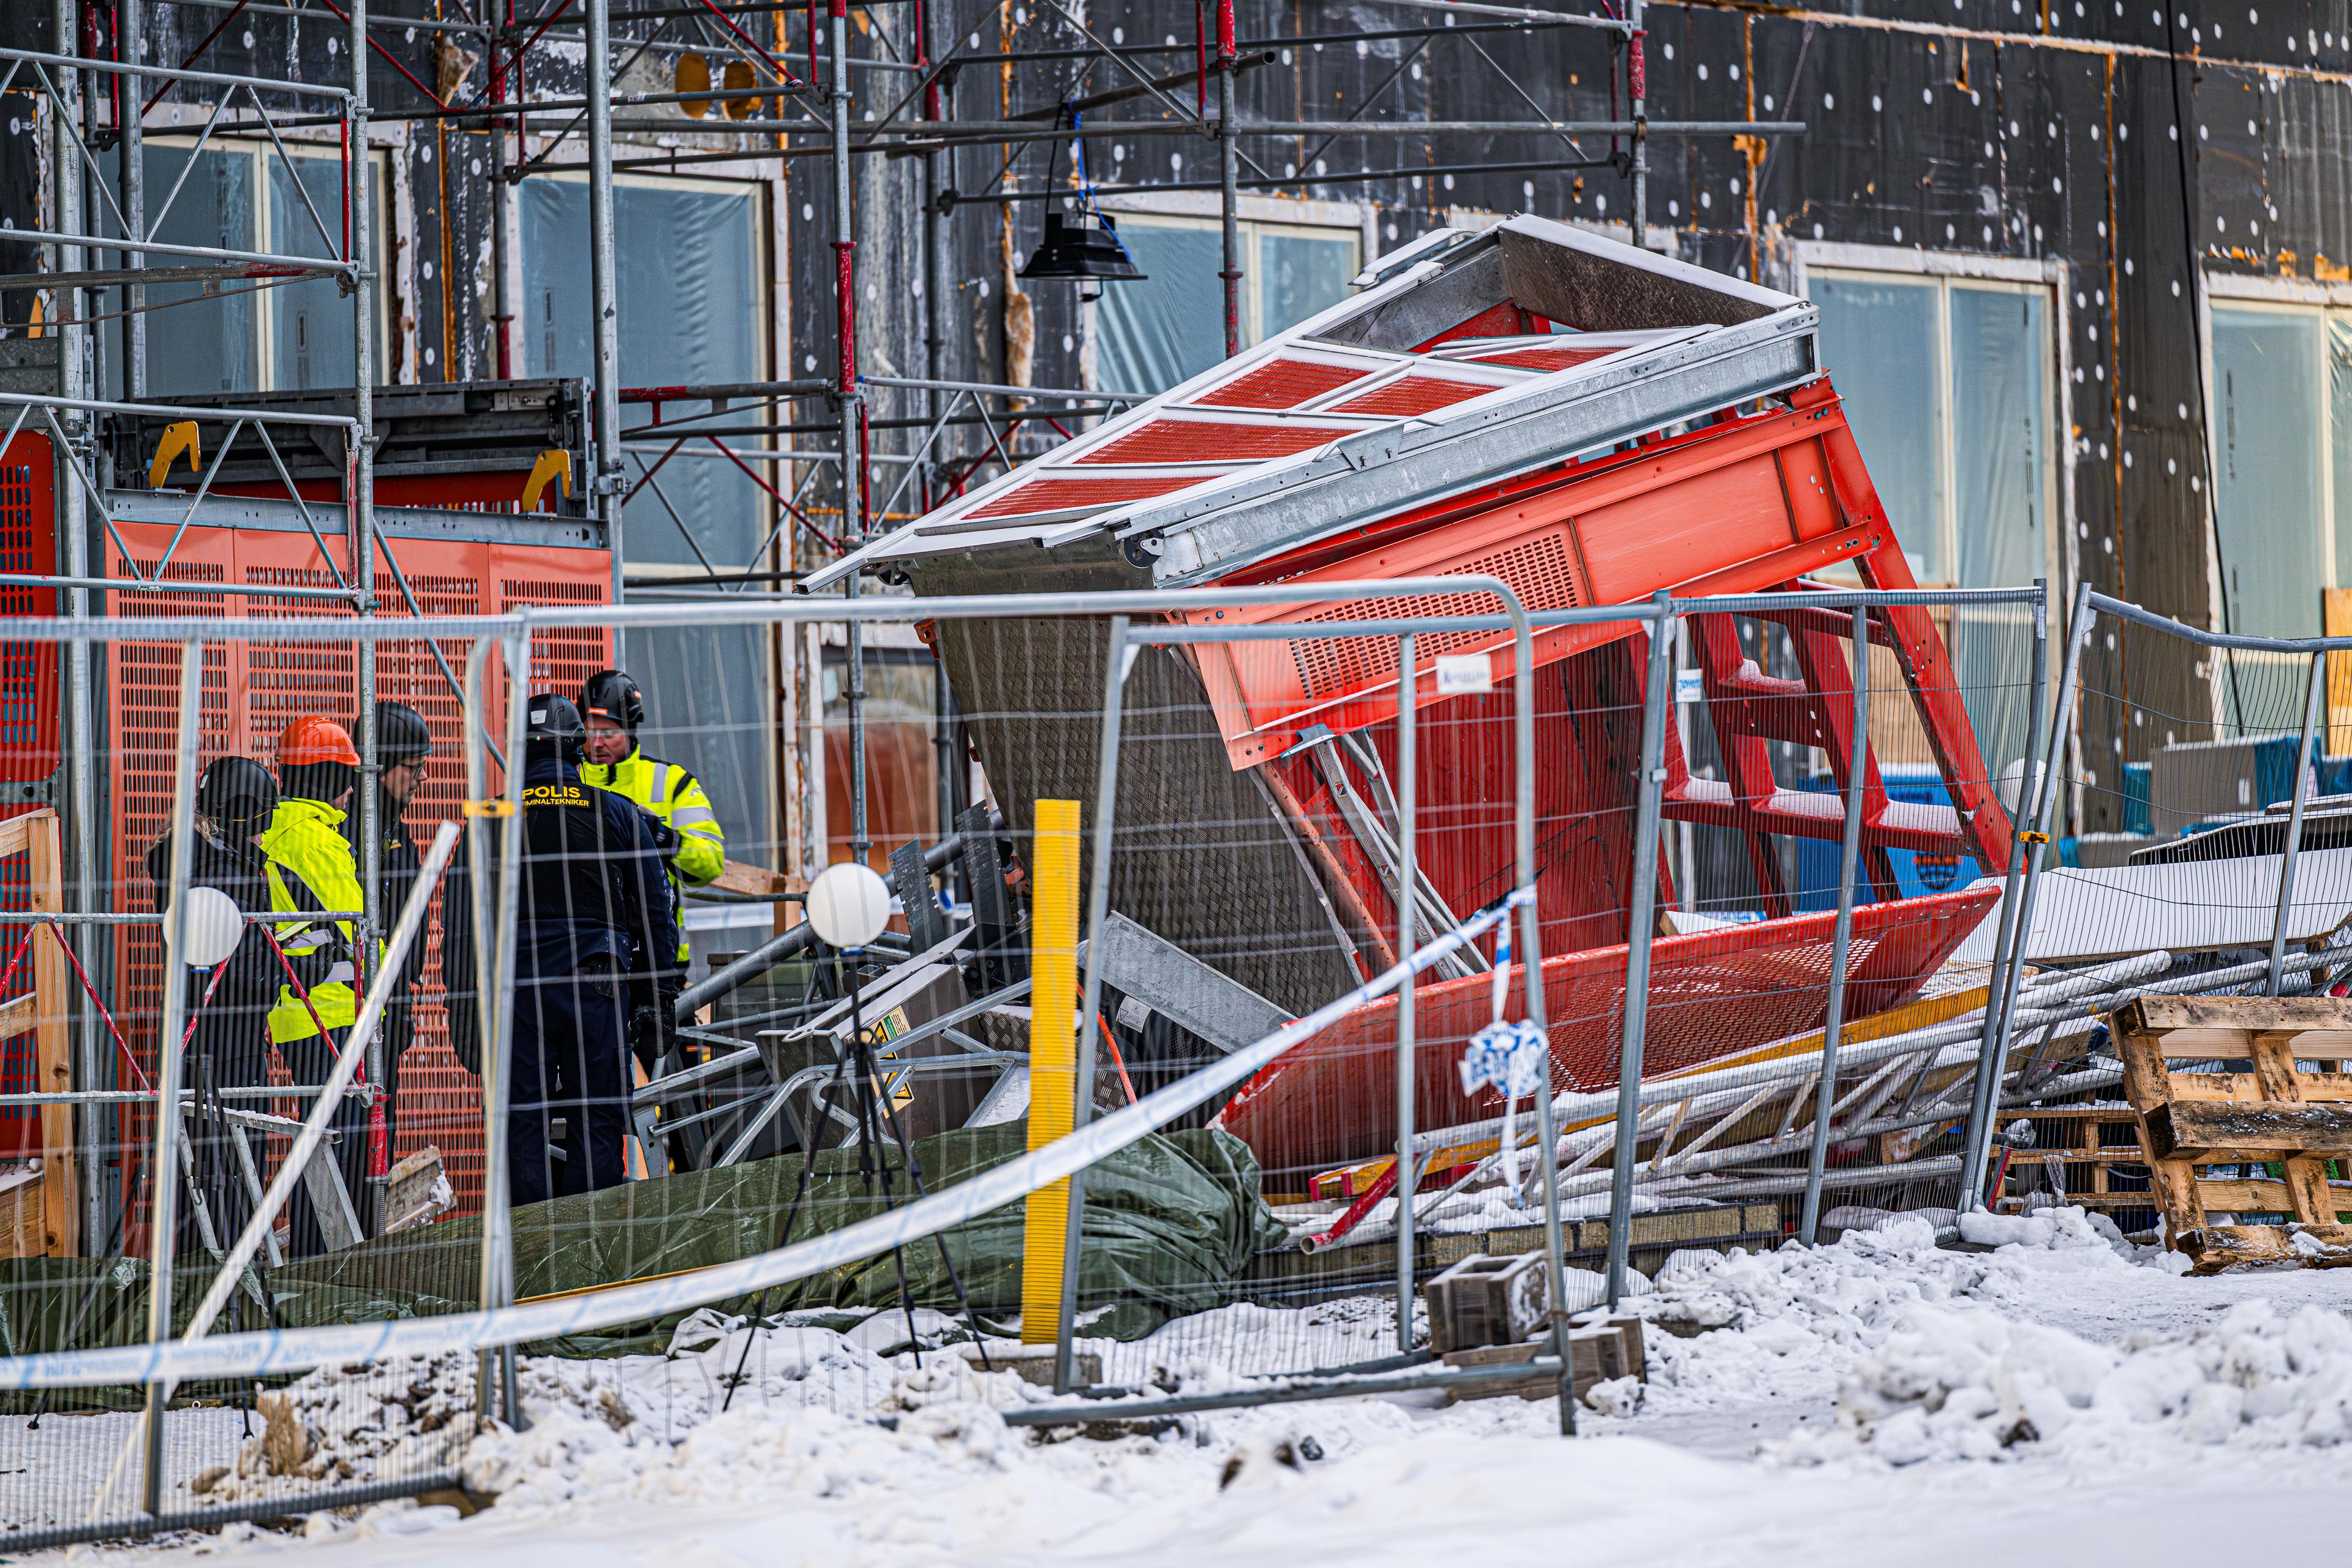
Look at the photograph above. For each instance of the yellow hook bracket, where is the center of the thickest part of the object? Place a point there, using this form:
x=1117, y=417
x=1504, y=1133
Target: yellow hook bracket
x=553, y=464
x=177, y=439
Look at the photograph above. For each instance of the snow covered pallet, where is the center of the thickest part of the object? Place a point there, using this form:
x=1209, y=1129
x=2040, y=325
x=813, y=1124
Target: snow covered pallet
x=2275, y=1114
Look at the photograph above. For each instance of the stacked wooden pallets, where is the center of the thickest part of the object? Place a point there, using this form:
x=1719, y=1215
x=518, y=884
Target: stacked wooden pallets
x=2259, y=1107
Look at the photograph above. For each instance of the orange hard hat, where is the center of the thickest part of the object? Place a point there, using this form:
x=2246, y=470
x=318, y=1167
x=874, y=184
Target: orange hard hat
x=314, y=738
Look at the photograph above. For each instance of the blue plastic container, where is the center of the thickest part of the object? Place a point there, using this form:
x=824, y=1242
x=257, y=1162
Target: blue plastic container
x=1915, y=874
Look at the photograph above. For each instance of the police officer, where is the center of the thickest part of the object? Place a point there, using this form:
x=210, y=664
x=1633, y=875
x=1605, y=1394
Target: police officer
x=614, y=708
x=310, y=869
x=229, y=1048
x=402, y=742
x=594, y=915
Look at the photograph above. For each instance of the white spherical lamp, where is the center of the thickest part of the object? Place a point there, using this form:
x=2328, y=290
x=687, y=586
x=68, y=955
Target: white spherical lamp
x=210, y=928
x=848, y=904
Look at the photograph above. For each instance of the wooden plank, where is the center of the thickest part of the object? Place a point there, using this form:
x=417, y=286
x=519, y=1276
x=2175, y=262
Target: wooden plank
x=2218, y=1246
x=2150, y=1088
x=23, y=1229
x=2306, y=1178
x=755, y=881
x=18, y=1015
x=2247, y=1130
x=2211, y=1027
x=2296, y=1014
x=2231, y=1195
x=2274, y=1058
x=16, y=831
x=53, y=1043
x=2213, y=1085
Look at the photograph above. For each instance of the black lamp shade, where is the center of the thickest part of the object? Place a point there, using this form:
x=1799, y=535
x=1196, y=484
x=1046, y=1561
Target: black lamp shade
x=1080, y=253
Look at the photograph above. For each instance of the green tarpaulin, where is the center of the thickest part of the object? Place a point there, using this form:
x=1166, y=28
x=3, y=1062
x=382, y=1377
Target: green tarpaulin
x=1170, y=1221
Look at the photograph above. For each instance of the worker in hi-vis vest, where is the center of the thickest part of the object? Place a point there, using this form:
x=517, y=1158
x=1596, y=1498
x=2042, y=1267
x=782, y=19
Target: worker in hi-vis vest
x=311, y=868
x=614, y=708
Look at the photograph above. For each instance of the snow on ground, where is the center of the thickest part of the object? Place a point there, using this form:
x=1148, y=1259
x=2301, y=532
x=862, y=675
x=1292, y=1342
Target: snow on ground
x=1878, y=1401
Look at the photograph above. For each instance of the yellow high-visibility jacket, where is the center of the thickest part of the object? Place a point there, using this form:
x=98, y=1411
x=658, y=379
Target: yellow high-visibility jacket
x=674, y=796
x=305, y=842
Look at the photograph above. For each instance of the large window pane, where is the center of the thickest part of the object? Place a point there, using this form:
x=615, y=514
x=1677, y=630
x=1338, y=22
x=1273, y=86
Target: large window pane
x=1171, y=326
x=688, y=261
x=1299, y=273
x=2000, y=495
x=311, y=322
x=708, y=705
x=207, y=346
x=1880, y=343
x=2339, y=408
x=2001, y=452
x=2267, y=483
x=687, y=273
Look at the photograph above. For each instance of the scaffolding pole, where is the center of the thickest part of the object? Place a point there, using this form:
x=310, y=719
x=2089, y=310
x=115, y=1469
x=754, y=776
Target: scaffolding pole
x=91, y=1064
x=360, y=481
x=606, y=481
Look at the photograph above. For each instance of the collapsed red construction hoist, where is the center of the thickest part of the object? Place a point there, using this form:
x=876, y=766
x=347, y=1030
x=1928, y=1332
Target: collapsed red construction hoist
x=1591, y=424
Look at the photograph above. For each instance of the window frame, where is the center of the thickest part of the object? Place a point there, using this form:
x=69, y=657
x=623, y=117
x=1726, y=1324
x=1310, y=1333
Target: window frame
x=266, y=219
x=1947, y=270
x=2272, y=296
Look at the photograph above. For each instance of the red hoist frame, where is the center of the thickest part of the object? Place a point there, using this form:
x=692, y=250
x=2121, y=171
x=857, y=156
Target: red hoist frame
x=1751, y=504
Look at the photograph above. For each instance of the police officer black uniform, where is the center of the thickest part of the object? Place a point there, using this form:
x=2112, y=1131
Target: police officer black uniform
x=230, y=1048
x=594, y=918
x=402, y=742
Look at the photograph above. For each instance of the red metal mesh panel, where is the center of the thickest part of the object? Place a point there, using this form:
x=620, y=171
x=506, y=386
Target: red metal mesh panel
x=28, y=671
x=1538, y=568
x=1712, y=995
x=251, y=692
x=28, y=736
x=1206, y=441
x=1280, y=384
x=1412, y=395
x=562, y=658
x=143, y=721
x=1552, y=357
x=439, y=1103
x=1067, y=495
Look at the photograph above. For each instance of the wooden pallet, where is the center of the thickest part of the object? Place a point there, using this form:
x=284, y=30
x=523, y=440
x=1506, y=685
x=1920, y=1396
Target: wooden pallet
x=2068, y=1135
x=2274, y=1113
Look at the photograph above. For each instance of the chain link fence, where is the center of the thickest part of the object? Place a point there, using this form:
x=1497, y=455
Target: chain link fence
x=1195, y=928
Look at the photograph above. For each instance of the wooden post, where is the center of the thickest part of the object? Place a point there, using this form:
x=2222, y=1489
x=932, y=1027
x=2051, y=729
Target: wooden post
x=36, y=834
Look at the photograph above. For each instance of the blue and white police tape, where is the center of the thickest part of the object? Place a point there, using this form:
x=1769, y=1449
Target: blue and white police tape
x=295, y=1350
x=1509, y=1057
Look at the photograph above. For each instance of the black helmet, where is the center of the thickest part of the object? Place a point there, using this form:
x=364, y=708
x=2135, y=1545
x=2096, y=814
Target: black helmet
x=555, y=730
x=238, y=795
x=401, y=734
x=613, y=694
